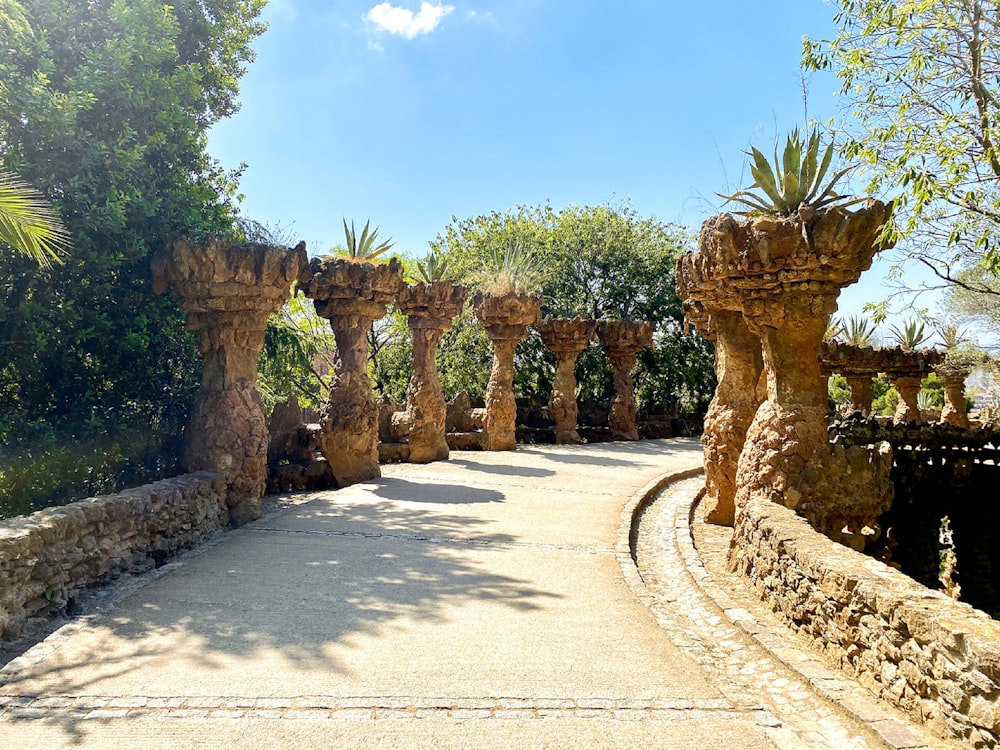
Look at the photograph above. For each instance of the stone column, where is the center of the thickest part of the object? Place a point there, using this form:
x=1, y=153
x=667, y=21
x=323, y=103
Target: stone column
x=228, y=292
x=786, y=273
x=430, y=308
x=954, y=411
x=908, y=388
x=506, y=319
x=739, y=364
x=352, y=295
x=622, y=341
x=566, y=339
x=861, y=391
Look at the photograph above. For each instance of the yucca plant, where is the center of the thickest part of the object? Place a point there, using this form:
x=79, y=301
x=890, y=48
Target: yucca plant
x=364, y=247
x=512, y=268
x=858, y=331
x=28, y=224
x=910, y=335
x=432, y=268
x=794, y=180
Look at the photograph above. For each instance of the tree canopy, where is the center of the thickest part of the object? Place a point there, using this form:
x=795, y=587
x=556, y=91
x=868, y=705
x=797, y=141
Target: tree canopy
x=922, y=84
x=600, y=262
x=104, y=109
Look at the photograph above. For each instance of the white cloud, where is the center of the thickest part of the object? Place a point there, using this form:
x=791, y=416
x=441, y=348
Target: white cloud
x=405, y=22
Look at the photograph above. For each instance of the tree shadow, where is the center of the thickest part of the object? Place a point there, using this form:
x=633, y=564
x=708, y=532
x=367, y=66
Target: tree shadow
x=437, y=493
x=626, y=453
x=295, y=591
x=532, y=472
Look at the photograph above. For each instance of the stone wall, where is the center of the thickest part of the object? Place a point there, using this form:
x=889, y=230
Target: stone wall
x=935, y=658
x=939, y=471
x=47, y=557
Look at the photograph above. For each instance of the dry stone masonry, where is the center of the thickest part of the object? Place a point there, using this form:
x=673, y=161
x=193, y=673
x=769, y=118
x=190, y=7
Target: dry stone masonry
x=228, y=291
x=622, y=341
x=506, y=319
x=49, y=556
x=785, y=273
x=429, y=309
x=352, y=295
x=739, y=365
x=566, y=338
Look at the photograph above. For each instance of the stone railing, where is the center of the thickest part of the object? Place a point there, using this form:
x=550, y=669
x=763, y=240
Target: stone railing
x=49, y=556
x=937, y=659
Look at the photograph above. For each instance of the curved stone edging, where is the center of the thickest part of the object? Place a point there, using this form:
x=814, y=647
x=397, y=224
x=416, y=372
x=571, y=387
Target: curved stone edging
x=825, y=682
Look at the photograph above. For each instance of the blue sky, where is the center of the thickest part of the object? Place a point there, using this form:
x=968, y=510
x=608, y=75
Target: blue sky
x=412, y=112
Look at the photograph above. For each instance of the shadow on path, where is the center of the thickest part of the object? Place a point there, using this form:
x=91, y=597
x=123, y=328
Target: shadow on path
x=288, y=595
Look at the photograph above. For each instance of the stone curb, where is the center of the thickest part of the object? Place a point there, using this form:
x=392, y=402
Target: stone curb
x=827, y=683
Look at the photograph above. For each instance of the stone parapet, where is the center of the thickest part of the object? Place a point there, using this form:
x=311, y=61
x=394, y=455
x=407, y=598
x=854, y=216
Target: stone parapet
x=49, y=556
x=937, y=659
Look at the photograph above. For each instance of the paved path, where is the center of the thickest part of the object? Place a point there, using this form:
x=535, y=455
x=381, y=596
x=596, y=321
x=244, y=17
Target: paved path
x=488, y=601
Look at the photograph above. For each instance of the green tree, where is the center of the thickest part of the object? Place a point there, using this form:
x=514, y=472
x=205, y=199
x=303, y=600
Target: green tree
x=105, y=108
x=922, y=85
x=602, y=262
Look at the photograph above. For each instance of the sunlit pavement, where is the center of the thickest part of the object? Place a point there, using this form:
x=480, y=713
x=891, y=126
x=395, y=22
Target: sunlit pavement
x=479, y=602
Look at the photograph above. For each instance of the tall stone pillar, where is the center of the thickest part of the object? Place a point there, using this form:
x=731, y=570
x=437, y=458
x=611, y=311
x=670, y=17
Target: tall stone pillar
x=908, y=388
x=786, y=273
x=228, y=292
x=506, y=319
x=352, y=295
x=430, y=308
x=622, y=341
x=566, y=339
x=739, y=364
x=954, y=411
x=861, y=391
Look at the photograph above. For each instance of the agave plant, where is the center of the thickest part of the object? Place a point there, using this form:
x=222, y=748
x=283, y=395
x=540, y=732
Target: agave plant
x=858, y=331
x=952, y=337
x=910, y=335
x=834, y=328
x=512, y=268
x=795, y=180
x=364, y=247
x=432, y=268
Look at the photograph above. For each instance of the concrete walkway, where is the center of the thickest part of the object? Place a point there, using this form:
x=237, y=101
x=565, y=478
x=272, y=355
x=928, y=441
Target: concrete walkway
x=482, y=602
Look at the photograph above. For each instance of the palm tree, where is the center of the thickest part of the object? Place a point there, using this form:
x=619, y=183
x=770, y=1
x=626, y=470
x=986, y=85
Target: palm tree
x=28, y=224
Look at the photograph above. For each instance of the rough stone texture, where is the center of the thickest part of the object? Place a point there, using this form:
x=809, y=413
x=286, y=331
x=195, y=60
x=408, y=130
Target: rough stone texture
x=907, y=409
x=739, y=365
x=228, y=291
x=939, y=470
x=566, y=338
x=352, y=296
x=622, y=340
x=429, y=308
x=506, y=319
x=859, y=365
x=937, y=659
x=954, y=411
x=48, y=556
x=293, y=458
x=785, y=273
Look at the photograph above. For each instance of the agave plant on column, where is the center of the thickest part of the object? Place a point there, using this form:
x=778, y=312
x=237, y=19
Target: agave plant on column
x=785, y=262
x=507, y=302
x=429, y=305
x=352, y=292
